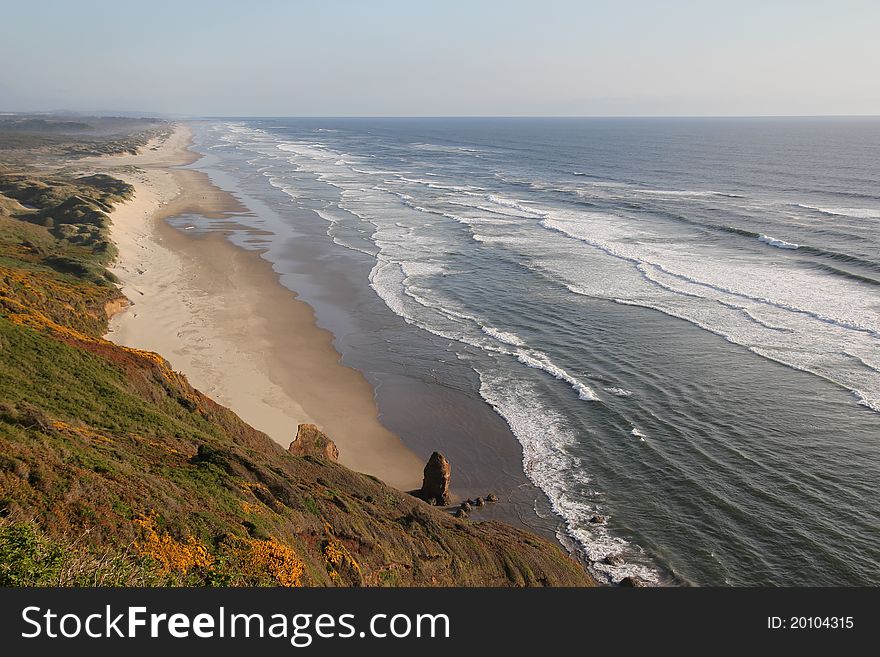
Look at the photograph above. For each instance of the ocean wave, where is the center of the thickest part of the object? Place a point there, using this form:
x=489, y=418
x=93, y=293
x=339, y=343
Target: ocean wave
x=544, y=436
x=503, y=336
x=484, y=208
x=541, y=361
x=854, y=213
x=863, y=400
x=411, y=269
x=515, y=205
x=846, y=274
x=599, y=181
x=779, y=244
x=467, y=221
x=618, y=392
x=389, y=279
x=431, y=184
x=373, y=172
x=823, y=317
x=439, y=148
x=749, y=304
x=875, y=367
x=683, y=193
x=760, y=322
x=638, y=434
x=695, y=286
x=843, y=257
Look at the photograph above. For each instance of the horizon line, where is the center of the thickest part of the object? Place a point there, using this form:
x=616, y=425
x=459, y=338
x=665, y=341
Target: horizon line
x=122, y=114
x=528, y=116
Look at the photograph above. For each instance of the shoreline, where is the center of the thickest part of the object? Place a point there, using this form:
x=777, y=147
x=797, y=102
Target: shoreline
x=220, y=316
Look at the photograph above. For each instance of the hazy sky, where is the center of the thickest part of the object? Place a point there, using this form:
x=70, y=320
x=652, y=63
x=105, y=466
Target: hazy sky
x=388, y=57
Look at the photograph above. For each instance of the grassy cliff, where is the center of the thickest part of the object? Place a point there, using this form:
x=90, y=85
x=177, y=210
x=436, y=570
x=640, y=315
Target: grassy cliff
x=115, y=471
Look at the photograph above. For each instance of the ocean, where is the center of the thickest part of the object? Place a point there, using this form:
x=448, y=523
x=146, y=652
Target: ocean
x=656, y=339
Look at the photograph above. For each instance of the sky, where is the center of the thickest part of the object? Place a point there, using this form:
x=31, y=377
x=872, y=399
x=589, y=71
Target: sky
x=442, y=58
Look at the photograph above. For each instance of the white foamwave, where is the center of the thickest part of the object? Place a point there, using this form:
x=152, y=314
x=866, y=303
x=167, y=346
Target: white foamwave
x=619, y=392
x=413, y=269
x=503, y=336
x=855, y=213
x=515, y=205
x=544, y=437
x=390, y=278
x=779, y=244
x=541, y=361
x=638, y=434
x=433, y=184
x=863, y=399
x=485, y=208
x=439, y=148
x=680, y=192
x=794, y=316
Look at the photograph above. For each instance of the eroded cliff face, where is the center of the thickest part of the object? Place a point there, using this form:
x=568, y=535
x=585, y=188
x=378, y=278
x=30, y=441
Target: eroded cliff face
x=114, y=470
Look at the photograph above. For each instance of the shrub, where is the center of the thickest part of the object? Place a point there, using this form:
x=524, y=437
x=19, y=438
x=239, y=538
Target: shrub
x=27, y=558
x=173, y=556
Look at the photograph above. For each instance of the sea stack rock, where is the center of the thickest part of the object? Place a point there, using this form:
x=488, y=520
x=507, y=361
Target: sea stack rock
x=311, y=441
x=435, y=484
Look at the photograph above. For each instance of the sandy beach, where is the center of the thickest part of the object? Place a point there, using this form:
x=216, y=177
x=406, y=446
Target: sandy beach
x=221, y=317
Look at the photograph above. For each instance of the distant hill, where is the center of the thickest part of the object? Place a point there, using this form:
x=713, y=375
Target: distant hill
x=30, y=124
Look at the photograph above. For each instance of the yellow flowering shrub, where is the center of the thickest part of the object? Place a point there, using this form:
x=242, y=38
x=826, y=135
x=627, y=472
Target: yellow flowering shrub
x=173, y=555
x=78, y=305
x=82, y=431
x=265, y=559
x=341, y=566
x=249, y=507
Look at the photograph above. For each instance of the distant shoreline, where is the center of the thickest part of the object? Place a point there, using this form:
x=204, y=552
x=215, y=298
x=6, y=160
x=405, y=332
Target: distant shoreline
x=220, y=316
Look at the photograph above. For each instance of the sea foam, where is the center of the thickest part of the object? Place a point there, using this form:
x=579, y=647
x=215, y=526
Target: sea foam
x=779, y=244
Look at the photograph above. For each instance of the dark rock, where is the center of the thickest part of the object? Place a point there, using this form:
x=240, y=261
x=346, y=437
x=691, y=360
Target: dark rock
x=633, y=581
x=461, y=513
x=466, y=506
x=478, y=501
x=598, y=520
x=613, y=560
x=491, y=497
x=435, y=484
x=311, y=441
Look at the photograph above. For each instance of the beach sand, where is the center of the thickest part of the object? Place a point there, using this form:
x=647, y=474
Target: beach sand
x=220, y=315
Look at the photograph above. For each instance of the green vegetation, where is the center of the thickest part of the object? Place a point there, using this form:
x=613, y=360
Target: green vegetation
x=74, y=210
x=24, y=137
x=115, y=471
